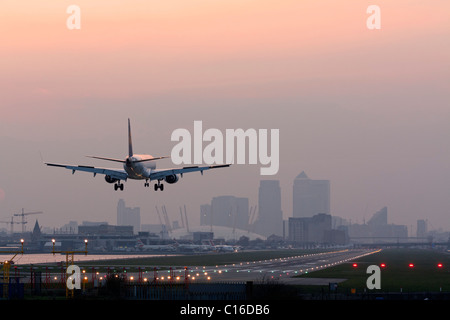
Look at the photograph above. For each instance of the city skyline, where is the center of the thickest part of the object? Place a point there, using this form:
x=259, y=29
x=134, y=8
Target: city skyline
x=236, y=212
x=365, y=109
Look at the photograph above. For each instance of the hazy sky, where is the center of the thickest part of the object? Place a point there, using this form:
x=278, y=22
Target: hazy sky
x=366, y=109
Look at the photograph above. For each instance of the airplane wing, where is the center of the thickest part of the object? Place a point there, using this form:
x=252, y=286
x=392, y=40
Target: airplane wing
x=113, y=173
x=160, y=174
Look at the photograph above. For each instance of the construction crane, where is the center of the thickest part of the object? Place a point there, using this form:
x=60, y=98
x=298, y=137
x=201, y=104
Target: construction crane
x=11, y=223
x=164, y=226
x=23, y=214
x=166, y=218
x=182, y=219
x=185, y=216
x=159, y=217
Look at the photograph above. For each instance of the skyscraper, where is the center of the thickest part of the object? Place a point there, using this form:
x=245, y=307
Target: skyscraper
x=270, y=215
x=379, y=218
x=128, y=216
x=310, y=197
x=229, y=211
x=421, y=228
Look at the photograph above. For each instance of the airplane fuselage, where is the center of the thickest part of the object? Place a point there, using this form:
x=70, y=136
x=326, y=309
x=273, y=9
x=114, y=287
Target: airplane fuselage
x=139, y=170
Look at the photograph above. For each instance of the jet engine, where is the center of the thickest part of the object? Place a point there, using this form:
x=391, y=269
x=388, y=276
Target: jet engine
x=110, y=179
x=172, y=178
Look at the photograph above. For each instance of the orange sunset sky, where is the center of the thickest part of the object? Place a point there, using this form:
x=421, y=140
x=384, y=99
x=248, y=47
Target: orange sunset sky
x=366, y=109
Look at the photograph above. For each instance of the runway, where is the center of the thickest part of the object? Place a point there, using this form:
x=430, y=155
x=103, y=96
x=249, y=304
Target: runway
x=282, y=269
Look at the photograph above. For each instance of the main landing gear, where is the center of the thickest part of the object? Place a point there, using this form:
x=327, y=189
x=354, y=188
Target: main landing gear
x=118, y=186
x=159, y=185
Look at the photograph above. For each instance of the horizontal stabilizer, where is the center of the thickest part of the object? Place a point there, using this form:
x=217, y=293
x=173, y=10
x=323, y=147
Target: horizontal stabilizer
x=151, y=159
x=108, y=159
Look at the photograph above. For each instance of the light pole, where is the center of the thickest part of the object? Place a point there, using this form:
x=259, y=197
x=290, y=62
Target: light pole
x=69, y=259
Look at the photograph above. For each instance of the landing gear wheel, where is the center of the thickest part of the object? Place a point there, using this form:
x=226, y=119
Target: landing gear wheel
x=159, y=186
x=118, y=186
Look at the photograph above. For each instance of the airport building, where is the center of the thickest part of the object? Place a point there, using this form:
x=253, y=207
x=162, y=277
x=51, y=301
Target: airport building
x=310, y=197
x=105, y=229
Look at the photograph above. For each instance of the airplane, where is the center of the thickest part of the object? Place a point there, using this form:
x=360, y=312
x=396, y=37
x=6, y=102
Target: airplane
x=137, y=167
x=226, y=248
x=156, y=247
x=194, y=247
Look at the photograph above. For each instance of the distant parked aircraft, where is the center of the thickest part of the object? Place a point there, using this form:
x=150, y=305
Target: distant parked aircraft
x=154, y=247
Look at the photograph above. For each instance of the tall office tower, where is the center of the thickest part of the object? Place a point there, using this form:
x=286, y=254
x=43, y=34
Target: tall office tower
x=421, y=228
x=128, y=216
x=270, y=215
x=310, y=197
x=229, y=211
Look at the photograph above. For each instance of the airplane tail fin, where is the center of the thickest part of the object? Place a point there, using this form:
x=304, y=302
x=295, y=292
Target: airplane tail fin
x=130, y=147
x=130, y=143
x=130, y=152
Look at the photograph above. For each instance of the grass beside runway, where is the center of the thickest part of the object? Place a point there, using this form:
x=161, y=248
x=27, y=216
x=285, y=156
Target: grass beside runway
x=397, y=274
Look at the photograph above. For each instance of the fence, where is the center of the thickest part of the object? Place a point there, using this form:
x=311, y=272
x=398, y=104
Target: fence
x=195, y=291
x=15, y=290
